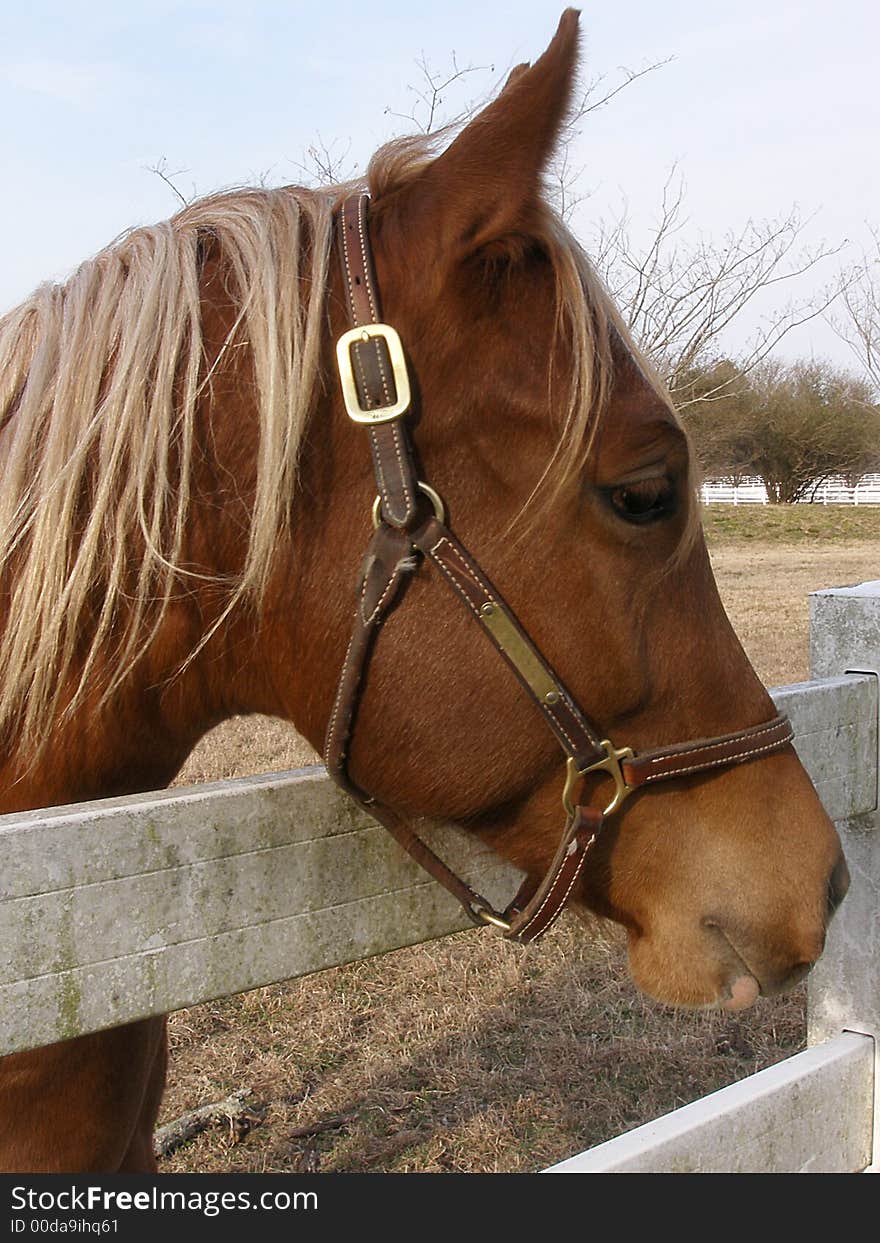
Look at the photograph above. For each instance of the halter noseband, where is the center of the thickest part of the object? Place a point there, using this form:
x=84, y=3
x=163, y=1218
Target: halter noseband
x=376, y=391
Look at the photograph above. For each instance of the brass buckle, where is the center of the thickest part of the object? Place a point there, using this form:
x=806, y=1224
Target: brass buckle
x=610, y=765
x=367, y=332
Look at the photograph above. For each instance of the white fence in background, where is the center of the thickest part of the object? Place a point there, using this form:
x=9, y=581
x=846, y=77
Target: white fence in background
x=832, y=492
x=124, y=908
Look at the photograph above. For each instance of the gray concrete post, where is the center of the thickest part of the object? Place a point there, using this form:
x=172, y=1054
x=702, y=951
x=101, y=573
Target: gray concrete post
x=844, y=987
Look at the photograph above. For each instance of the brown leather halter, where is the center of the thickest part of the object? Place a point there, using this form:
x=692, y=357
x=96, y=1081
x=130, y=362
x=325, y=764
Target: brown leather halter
x=376, y=390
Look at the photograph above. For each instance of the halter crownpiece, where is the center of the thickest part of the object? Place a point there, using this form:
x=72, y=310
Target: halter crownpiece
x=376, y=391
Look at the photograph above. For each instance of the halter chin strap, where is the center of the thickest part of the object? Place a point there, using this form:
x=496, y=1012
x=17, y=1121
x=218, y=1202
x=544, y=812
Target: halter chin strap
x=375, y=387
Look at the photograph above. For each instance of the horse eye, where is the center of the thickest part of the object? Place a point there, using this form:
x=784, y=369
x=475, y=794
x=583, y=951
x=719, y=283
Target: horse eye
x=646, y=501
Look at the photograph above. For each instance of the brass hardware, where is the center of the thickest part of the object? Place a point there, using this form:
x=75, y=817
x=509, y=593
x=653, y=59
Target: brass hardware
x=489, y=917
x=355, y=336
x=519, y=651
x=610, y=765
x=433, y=497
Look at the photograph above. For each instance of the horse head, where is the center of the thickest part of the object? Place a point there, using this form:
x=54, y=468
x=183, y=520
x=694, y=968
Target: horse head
x=562, y=463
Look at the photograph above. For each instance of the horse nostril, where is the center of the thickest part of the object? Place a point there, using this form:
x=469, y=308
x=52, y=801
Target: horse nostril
x=838, y=884
x=772, y=985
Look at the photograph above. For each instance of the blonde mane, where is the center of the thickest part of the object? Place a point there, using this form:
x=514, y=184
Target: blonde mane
x=100, y=380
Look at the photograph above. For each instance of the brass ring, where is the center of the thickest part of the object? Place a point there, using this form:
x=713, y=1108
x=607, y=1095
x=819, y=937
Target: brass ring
x=489, y=917
x=433, y=497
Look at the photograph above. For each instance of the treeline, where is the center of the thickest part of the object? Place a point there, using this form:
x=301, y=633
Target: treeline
x=791, y=425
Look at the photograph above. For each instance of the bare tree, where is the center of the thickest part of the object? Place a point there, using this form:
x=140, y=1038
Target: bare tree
x=860, y=322
x=326, y=164
x=680, y=296
x=793, y=426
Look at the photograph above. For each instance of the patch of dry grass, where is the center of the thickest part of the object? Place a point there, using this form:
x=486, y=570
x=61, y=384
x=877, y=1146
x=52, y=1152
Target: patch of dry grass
x=244, y=745
x=469, y=1054
x=765, y=589
x=791, y=524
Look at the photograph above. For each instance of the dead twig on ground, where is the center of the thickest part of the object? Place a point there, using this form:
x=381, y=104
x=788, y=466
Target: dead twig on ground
x=237, y=1109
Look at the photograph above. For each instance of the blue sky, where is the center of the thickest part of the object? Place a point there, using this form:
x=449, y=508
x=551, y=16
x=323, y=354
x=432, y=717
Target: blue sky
x=764, y=106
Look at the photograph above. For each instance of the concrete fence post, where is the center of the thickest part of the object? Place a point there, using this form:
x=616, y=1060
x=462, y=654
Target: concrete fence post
x=844, y=988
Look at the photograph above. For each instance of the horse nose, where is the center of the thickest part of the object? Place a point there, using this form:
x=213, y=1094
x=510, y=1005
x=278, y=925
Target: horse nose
x=838, y=884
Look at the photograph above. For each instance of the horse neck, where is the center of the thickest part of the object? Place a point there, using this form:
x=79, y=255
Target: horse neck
x=135, y=740
x=142, y=734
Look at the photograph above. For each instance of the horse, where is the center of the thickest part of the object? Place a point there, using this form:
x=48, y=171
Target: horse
x=185, y=485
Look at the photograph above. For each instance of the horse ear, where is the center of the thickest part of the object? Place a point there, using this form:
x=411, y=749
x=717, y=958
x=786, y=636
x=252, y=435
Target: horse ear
x=481, y=188
x=515, y=74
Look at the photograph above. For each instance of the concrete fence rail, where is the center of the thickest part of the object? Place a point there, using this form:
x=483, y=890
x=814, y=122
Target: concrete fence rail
x=123, y=908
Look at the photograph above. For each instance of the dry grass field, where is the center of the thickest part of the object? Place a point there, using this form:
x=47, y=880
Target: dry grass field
x=469, y=1054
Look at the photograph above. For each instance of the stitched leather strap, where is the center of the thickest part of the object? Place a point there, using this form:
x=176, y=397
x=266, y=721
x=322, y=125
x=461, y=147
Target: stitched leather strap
x=703, y=754
x=374, y=376
x=386, y=568
x=530, y=920
x=387, y=563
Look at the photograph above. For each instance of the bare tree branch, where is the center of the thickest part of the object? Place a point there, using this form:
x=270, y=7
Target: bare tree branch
x=324, y=164
x=590, y=102
x=679, y=297
x=160, y=168
x=859, y=325
x=563, y=176
x=238, y=1111
x=430, y=94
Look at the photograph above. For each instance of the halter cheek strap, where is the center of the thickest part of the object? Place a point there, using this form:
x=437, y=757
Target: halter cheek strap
x=375, y=386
